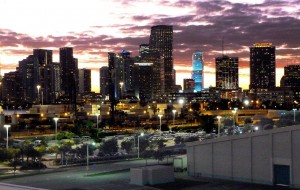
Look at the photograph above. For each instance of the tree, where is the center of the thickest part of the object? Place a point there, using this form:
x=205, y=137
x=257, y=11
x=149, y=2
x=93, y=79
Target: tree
x=178, y=140
x=127, y=145
x=109, y=146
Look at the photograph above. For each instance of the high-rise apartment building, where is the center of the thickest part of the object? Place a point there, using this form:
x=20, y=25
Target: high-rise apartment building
x=42, y=78
x=158, y=78
x=227, y=73
x=197, y=73
x=291, y=77
x=69, y=73
x=262, y=66
x=28, y=79
x=11, y=85
x=85, y=81
x=104, y=84
x=161, y=40
x=143, y=73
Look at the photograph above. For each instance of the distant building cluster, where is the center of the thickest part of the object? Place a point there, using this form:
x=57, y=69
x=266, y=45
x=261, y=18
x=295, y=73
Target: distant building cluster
x=39, y=80
x=149, y=77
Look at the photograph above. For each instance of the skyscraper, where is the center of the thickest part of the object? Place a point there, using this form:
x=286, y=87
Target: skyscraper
x=227, y=73
x=197, y=73
x=143, y=73
x=42, y=76
x=84, y=81
x=291, y=77
x=262, y=66
x=69, y=75
x=104, y=84
x=161, y=40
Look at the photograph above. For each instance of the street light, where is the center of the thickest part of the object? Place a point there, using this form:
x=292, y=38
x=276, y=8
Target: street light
x=246, y=102
x=38, y=89
x=160, y=116
x=121, y=84
x=6, y=126
x=97, y=115
x=55, y=120
x=219, y=124
x=87, y=155
x=294, y=114
x=174, y=112
x=142, y=134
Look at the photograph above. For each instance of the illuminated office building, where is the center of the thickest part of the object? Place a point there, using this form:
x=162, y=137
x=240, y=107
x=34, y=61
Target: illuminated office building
x=197, y=73
x=262, y=66
x=227, y=73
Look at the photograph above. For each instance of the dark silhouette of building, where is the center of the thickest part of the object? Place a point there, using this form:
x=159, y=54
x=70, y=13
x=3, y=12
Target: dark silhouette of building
x=227, y=73
x=85, y=81
x=262, y=66
x=143, y=73
x=11, y=85
x=27, y=72
x=291, y=77
x=188, y=85
x=158, y=77
x=69, y=74
x=161, y=40
x=42, y=74
x=104, y=81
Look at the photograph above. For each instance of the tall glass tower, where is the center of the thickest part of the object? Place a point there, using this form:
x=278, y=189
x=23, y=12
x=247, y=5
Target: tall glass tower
x=197, y=73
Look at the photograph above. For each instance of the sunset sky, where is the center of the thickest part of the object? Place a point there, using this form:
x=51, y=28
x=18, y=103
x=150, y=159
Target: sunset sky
x=95, y=27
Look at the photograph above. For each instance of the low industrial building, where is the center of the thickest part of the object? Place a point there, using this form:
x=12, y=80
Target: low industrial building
x=269, y=157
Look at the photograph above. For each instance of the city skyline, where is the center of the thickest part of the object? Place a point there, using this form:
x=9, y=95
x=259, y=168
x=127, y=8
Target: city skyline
x=95, y=28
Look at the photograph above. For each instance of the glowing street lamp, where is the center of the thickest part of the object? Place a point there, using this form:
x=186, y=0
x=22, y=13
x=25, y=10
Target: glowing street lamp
x=174, y=112
x=38, y=89
x=294, y=114
x=121, y=84
x=87, y=155
x=219, y=125
x=142, y=134
x=6, y=127
x=160, y=116
x=55, y=120
x=246, y=102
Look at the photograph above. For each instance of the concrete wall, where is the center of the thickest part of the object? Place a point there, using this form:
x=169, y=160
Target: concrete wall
x=248, y=157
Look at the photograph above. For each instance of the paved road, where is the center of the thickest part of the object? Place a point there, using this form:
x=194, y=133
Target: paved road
x=80, y=177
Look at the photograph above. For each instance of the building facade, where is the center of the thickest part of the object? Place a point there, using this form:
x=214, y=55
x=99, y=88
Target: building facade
x=69, y=73
x=266, y=157
x=197, y=73
x=161, y=40
x=85, y=81
x=262, y=66
x=188, y=85
x=227, y=73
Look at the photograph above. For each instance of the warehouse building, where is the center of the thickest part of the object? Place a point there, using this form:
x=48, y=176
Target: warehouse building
x=269, y=157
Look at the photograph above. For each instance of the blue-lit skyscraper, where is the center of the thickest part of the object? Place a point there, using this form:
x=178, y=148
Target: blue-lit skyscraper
x=197, y=73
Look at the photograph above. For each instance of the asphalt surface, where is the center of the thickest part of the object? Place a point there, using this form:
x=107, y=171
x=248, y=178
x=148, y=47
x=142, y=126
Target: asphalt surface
x=116, y=176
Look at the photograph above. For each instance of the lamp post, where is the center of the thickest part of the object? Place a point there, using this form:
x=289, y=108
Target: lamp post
x=38, y=95
x=174, y=112
x=6, y=127
x=121, y=84
x=142, y=134
x=55, y=120
x=246, y=102
x=160, y=116
x=87, y=155
x=219, y=124
x=294, y=114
